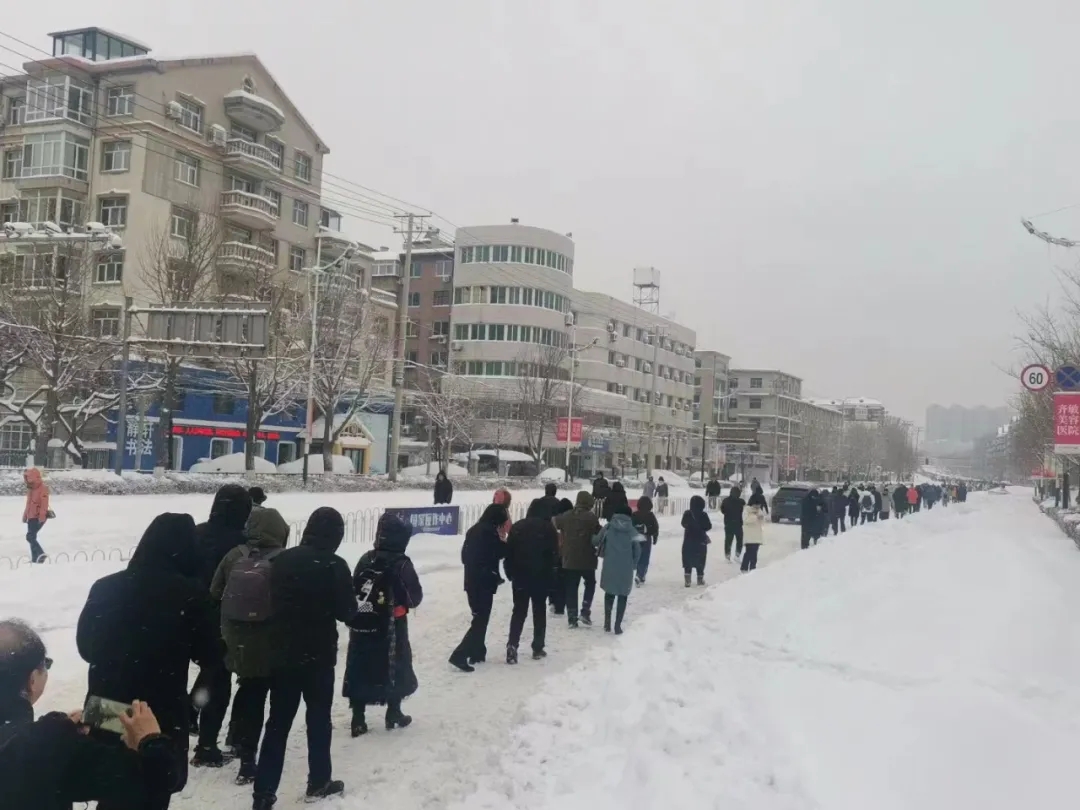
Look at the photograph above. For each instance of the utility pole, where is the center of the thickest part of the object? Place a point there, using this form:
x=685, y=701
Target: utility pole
x=122, y=406
x=703, y=451
x=655, y=336
x=413, y=223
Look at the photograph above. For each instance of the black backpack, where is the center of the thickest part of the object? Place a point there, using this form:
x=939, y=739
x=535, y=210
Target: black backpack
x=247, y=596
x=374, y=598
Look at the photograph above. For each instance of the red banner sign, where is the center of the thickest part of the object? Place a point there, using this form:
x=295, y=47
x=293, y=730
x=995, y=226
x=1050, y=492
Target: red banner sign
x=1067, y=423
x=575, y=430
x=222, y=433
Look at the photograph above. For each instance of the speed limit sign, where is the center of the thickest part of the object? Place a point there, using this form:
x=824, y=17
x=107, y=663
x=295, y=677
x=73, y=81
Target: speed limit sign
x=1035, y=377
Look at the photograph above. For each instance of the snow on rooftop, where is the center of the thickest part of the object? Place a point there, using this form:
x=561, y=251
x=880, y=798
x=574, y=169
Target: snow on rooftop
x=255, y=99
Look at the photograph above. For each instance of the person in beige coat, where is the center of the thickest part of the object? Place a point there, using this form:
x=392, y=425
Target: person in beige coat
x=753, y=535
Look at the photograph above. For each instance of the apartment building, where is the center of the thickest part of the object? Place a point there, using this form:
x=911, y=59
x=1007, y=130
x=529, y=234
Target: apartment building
x=631, y=355
x=794, y=434
x=711, y=406
x=858, y=410
x=167, y=153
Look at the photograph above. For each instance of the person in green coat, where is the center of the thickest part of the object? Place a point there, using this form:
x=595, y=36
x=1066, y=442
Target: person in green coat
x=619, y=544
x=249, y=644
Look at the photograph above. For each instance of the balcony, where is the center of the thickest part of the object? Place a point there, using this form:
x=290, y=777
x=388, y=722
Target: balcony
x=253, y=111
x=241, y=255
x=249, y=210
x=247, y=156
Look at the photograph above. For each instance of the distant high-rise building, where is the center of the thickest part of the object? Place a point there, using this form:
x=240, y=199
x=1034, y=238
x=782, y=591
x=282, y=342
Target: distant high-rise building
x=960, y=424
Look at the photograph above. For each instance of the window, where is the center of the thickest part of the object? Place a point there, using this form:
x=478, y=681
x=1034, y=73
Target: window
x=527, y=296
x=112, y=211
x=497, y=331
x=440, y=298
x=438, y=359
x=478, y=331
x=414, y=299
x=412, y=358
x=300, y=213
x=466, y=255
x=286, y=452
x=498, y=295
x=110, y=268
x=611, y=358
x=16, y=112
x=191, y=114
x=530, y=254
x=71, y=210
x=416, y=270
x=186, y=169
x=303, y=167
x=120, y=101
x=515, y=254
x=440, y=328
x=105, y=321
x=260, y=448
x=733, y=383
x=220, y=447
x=49, y=154
x=224, y=404
x=13, y=162
x=278, y=148
x=412, y=329
x=274, y=196
x=182, y=223
x=297, y=259
x=461, y=331
x=755, y=382
x=9, y=212
x=384, y=269
x=57, y=96
x=444, y=268
x=515, y=296
x=116, y=156
x=463, y=295
x=500, y=253
x=242, y=133
x=755, y=403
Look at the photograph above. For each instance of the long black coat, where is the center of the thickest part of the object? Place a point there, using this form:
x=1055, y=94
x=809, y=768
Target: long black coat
x=142, y=626
x=532, y=553
x=853, y=504
x=601, y=488
x=313, y=591
x=223, y=532
x=616, y=498
x=480, y=555
x=379, y=667
x=444, y=490
x=49, y=765
x=696, y=526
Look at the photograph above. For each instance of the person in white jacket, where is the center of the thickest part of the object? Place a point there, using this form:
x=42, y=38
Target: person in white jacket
x=753, y=535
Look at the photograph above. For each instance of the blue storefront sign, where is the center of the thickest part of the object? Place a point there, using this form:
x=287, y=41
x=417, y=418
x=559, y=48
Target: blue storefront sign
x=430, y=519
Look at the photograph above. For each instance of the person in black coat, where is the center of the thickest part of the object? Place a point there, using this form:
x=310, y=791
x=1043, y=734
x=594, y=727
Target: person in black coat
x=757, y=498
x=616, y=500
x=600, y=488
x=695, y=545
x=853, y=506
x=531, y=551
x=480, y=555
x=899, y=496
x=312, y=591
x=444, y=490
x=52, y=763
x=648, y=527
x=712, y=491
x=210, y=695
x=378, y=669
x=557, y=595
x=810, y=518
x=838, y=507
x=732, y=510
x=141, y=627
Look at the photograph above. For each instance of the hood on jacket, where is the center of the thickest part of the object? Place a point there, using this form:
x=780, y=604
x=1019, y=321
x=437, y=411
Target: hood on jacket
x=495, y=515
x=232, y=505
x=266, y=528
x=168, y=544
x=618, y=487
x=258, y=495
x=324, y=530
x=565, y=506
x=697, y=503
x=585, y=500
x=393, y=533
x=32, y=477
x=502, y=496
x=539, y=509
x=644, y=504
x=440, y=476
x=621, y=522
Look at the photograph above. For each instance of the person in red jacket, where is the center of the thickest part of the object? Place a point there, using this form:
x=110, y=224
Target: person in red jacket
x=36, y=512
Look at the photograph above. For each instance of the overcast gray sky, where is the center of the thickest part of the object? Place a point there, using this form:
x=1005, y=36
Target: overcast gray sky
x=832, y=188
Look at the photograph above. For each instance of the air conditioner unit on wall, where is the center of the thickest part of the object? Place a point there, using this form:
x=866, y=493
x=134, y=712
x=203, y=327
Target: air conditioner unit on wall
x=174, y=111
x=217, y=135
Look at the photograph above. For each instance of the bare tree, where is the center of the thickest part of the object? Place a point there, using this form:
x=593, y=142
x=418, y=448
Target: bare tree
x=542, y=382
x=352, y=346
x=451, y=415
x=179, y=268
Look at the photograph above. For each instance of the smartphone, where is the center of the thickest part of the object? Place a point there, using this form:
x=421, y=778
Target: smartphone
x=105, y=714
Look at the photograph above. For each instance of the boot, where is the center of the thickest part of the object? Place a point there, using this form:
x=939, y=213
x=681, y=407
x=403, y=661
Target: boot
x=246, y=775
x=539, y=654
x=687, y=579
x=395, y=718
x=620, y=613
x=461, y=662
x=264, y=801
x=335, y=787
x=607, y=615
x=586, y=618
x=208, y=758
x=359, y=722
x=511, y=654
x=700, y=579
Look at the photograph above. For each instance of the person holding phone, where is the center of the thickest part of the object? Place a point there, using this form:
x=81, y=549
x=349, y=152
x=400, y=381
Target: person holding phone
x=53, y=762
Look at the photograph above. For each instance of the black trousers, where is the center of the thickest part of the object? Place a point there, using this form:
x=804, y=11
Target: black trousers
x=473, y=646
x=807, y=536
x=573, y=580
x=249, y=708
x=617, y=602
x=156, y=801
x=749, y=560
x=217, y=683
x=733, y=533
x=835, y=524
x=557, y=596
x=315, y=684
x=523, y=598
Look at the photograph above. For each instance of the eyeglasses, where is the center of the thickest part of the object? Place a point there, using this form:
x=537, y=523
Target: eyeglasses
x=48, y=664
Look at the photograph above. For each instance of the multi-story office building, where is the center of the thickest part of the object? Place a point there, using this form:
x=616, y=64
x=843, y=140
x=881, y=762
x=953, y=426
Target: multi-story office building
x=856, y=410
x=711, y=406
x=167, y=153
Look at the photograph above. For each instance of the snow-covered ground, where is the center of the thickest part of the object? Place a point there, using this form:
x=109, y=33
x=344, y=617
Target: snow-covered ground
x=925, y=663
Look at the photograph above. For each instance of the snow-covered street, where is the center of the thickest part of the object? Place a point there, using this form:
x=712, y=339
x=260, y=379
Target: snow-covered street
x=926, y=663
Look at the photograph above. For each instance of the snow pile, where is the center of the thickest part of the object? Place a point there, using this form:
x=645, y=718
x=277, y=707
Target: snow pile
x=555, y=474
x=233, y=463
x=921, y=663
x=431, y=469
x=339, y=464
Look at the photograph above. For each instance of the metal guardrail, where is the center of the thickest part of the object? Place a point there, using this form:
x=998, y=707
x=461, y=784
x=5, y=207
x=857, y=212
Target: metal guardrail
x=360, y=529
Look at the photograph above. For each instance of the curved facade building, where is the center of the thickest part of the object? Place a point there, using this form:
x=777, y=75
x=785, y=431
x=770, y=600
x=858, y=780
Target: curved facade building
x=512, y=289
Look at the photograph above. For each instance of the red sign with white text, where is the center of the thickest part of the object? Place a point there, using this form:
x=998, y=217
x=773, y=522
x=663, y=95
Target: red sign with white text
x=1067, y=423
x=575, y=429
x=222, y=433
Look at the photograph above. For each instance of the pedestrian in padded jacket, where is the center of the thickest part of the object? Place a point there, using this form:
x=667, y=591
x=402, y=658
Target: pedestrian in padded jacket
x=531, y=550
x=732, y=509
x=645, y=522
x=619, y=544
x=696, y=526
x=480, y=555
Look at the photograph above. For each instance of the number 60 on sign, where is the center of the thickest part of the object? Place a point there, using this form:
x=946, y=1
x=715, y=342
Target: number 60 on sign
x=1035, y=377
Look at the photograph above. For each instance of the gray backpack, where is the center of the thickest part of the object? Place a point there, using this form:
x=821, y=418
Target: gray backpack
x=247, y=596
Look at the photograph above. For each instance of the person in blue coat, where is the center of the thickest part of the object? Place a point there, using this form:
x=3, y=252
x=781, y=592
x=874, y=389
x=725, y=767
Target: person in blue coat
x=619, y=545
